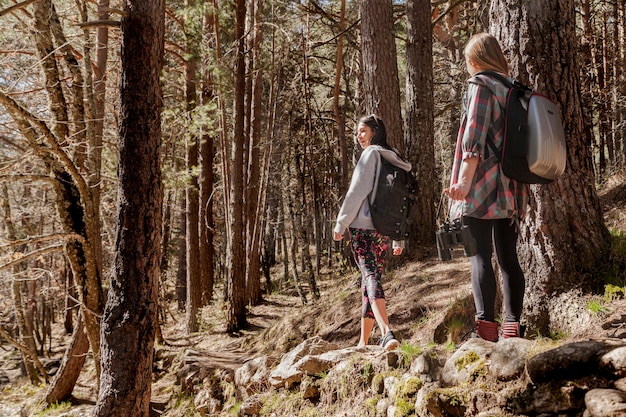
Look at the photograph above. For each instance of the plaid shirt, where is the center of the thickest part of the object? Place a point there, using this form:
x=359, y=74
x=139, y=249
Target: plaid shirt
x=492, y=195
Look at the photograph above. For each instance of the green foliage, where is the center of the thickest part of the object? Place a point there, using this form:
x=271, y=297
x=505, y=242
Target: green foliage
x=450, y=346
x=596, y=306
x=613, y=292
x=185, y=403
x=409, y=353
x=57, y=407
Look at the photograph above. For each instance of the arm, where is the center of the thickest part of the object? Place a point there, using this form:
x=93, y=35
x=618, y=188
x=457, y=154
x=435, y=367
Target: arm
x=460, y=190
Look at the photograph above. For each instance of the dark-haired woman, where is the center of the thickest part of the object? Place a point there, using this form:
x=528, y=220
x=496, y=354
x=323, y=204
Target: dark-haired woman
x=368, y=246
x=489, y=202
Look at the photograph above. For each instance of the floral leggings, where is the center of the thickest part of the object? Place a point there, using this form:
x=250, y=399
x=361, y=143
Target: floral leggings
x=369, y=248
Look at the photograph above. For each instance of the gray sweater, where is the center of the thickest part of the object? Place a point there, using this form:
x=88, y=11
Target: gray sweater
x=355, y=210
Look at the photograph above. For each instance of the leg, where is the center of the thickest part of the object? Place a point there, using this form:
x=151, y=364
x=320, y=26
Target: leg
x=379, y=307
x=367, y=324
x=513, y=282
x=369, y=249
x=483, y=277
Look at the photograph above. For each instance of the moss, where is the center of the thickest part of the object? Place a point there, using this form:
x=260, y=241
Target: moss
x=378, y=383
x=371, y=403
x=404, y=408
x=613, y=292
x=467, y=359
x=451, y=396
x=410, y=387
x=479, y=370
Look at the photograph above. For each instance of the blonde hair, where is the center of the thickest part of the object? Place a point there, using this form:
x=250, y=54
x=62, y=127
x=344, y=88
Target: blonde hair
x=484, y=52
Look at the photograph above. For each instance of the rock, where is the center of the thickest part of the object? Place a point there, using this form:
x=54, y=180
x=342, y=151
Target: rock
x=446, y=402
x=467, y=362
x=428, y=364
x=4, y=379
x=251, y=406
x=205, y=404
x=569, y=361
x=605, y=402
x=253, y=375
x=508, y=359
x=306, y=358
x=309, y=390
x=549, y=398
x=615, y=361
x=620, y=384
x=391, y=386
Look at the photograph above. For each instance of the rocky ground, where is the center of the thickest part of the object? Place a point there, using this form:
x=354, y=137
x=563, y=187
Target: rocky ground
x=436, y=371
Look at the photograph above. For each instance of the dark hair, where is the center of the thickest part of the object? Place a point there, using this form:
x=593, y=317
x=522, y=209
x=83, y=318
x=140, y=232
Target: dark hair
x=378, y=127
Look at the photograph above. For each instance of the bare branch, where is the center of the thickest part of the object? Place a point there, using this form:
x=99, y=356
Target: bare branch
x=99, y=23
x=45, y=238
x=32, y=355
x=33, y=254
x=16, y=7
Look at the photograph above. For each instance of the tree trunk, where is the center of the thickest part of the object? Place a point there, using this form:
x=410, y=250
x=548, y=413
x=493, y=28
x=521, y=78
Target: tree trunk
x=194, y=284
x=419, y=140
x=130, y=316
x=73, y=360
x=563, y=238
x=235, y=253
x=181, y=272
x=207, y=151
x=337, y=109
x=25, y=334
x=380, y=70
x=254, y=190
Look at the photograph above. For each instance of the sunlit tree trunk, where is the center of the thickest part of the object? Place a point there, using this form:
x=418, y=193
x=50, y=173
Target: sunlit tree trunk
x=130, y=316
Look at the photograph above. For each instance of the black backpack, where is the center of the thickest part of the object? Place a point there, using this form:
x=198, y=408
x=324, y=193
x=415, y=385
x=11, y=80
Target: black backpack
x=393, y=205
x=533, y=150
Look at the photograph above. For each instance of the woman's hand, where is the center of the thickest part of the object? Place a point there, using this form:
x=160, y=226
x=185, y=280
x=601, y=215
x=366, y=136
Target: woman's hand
x=337, y=236
x=457, y=191
x=461, y=189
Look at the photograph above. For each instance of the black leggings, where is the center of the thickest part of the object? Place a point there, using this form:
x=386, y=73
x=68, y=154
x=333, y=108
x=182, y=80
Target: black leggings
x=501, y=233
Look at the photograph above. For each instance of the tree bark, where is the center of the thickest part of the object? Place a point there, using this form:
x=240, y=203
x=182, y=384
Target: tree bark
x=130, y=316
x=380, y=70
x=235, y=253
x=254, y=189
x=194, y=284
x=563, y=238
x=207, y=151
x=419, y=120
x=65, y=379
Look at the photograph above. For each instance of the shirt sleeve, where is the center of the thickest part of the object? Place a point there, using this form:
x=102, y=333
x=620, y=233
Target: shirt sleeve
x=478, y=121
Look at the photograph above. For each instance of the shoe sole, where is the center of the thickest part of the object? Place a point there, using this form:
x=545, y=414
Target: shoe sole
x=392, y=344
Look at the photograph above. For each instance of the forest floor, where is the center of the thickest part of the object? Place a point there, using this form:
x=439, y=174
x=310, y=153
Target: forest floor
x=421, y=293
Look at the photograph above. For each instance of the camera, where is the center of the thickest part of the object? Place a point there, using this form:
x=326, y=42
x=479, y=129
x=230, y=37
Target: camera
x=452, y=234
